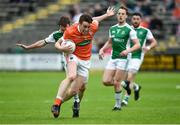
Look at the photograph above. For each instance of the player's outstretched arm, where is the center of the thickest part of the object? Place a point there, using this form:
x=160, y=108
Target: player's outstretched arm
x=37, y=44
x=110, y=12
x=107, y=45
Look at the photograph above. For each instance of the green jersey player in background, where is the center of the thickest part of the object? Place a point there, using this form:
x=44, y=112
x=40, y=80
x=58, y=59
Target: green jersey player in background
x=120, y=36
x=63, y=23
x=137, y=56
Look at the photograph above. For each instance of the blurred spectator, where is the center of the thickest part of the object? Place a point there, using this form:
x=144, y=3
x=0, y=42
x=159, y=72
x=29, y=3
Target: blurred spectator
x=176, y=10
x=160, y=9
x=145, y=8
x=98, y=10
x=75, y=12
x=140, y=0
x=157, y=27
x=19, y=1
x=178, y=33
x=131, y=4
x=145, y=21
x=112, y=2
x=89, y=10
x=71, y=11
x=169, y=4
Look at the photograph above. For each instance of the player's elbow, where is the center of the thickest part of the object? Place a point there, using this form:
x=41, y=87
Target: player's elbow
x=57, y=45
x=155, y=43
x=72, y=77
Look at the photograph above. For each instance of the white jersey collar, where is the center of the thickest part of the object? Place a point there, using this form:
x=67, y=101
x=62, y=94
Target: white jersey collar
x=122, y=25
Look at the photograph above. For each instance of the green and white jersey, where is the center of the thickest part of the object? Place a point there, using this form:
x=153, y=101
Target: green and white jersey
x=54, y=37
x=143, y=35
x=121, y=37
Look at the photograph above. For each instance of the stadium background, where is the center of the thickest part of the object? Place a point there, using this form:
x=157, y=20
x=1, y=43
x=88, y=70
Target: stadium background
x=22, y=19
x=32, y=20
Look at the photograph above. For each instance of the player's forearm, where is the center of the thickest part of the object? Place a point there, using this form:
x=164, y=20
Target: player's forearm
x=136, y=46
x=100, y=18
x=106, y=45
x=58, y=46
x=153, y=44
x=37, y=44
x=110, y=12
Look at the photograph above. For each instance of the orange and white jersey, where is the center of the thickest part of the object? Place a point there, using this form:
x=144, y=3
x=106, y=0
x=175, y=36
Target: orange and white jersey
x=83, y=42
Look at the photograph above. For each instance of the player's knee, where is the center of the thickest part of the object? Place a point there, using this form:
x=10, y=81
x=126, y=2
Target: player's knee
x=83, y=88
x=72, y=77
x=106, y=82
x=116, y=83
x=73, y=92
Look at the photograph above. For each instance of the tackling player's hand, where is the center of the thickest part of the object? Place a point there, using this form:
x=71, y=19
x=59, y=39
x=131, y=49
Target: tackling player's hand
x=111, y=11
x=21, y=45
x=146, y=48
x=124, y=53
x=101, y=54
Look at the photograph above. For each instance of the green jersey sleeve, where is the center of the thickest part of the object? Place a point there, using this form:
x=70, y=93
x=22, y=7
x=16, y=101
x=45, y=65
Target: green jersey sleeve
x=53, y=37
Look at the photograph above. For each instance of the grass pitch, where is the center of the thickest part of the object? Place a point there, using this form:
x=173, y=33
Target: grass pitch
x=26, y=98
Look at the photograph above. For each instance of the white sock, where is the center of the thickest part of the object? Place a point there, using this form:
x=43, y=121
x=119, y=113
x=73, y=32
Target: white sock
x=118, y=99
x=59, y=97
x=135, y=86
x=123, y=84
x=76, y=98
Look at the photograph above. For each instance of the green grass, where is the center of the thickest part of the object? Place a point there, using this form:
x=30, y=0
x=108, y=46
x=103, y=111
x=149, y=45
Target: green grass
x=26, y=98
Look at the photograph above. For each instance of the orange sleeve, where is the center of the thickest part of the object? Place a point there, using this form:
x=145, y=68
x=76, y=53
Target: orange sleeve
x=67, y=34
x=94, y=26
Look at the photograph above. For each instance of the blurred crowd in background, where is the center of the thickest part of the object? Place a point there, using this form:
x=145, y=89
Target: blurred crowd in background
x=162, y=17
x=153, y=18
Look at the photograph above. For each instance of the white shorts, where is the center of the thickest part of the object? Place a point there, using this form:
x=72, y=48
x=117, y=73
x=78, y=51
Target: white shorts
x=83, y=66
x=114, y=64
x=134, y=65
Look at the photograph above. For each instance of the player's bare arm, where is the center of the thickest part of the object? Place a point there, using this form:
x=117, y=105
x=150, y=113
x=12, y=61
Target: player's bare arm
x=133, y=48
x=107, y=45
x=65, y=49
x=37, y=44
x=153, y=44
x=110, y=12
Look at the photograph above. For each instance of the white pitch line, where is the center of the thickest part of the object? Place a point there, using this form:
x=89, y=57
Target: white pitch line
x=177, y=86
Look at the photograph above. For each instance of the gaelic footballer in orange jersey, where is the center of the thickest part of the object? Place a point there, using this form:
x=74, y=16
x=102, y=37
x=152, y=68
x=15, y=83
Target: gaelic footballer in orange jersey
x=82, y=40
x=78, y=63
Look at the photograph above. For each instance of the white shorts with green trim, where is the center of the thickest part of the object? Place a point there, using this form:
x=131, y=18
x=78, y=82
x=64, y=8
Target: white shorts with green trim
x=114, y=64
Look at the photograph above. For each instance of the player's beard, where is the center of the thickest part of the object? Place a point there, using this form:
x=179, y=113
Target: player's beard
x=136, y=25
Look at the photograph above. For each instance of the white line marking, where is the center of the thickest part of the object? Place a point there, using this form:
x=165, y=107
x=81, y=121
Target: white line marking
x=177, y=86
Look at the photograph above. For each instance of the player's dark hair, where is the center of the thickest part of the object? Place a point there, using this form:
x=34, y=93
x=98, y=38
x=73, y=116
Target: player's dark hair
x=64, y=21
x=86, y=18
x=124, y=8
x=137, y=14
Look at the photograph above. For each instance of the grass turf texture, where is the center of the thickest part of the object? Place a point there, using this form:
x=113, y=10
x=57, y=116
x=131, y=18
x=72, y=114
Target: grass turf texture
x=26, y=98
